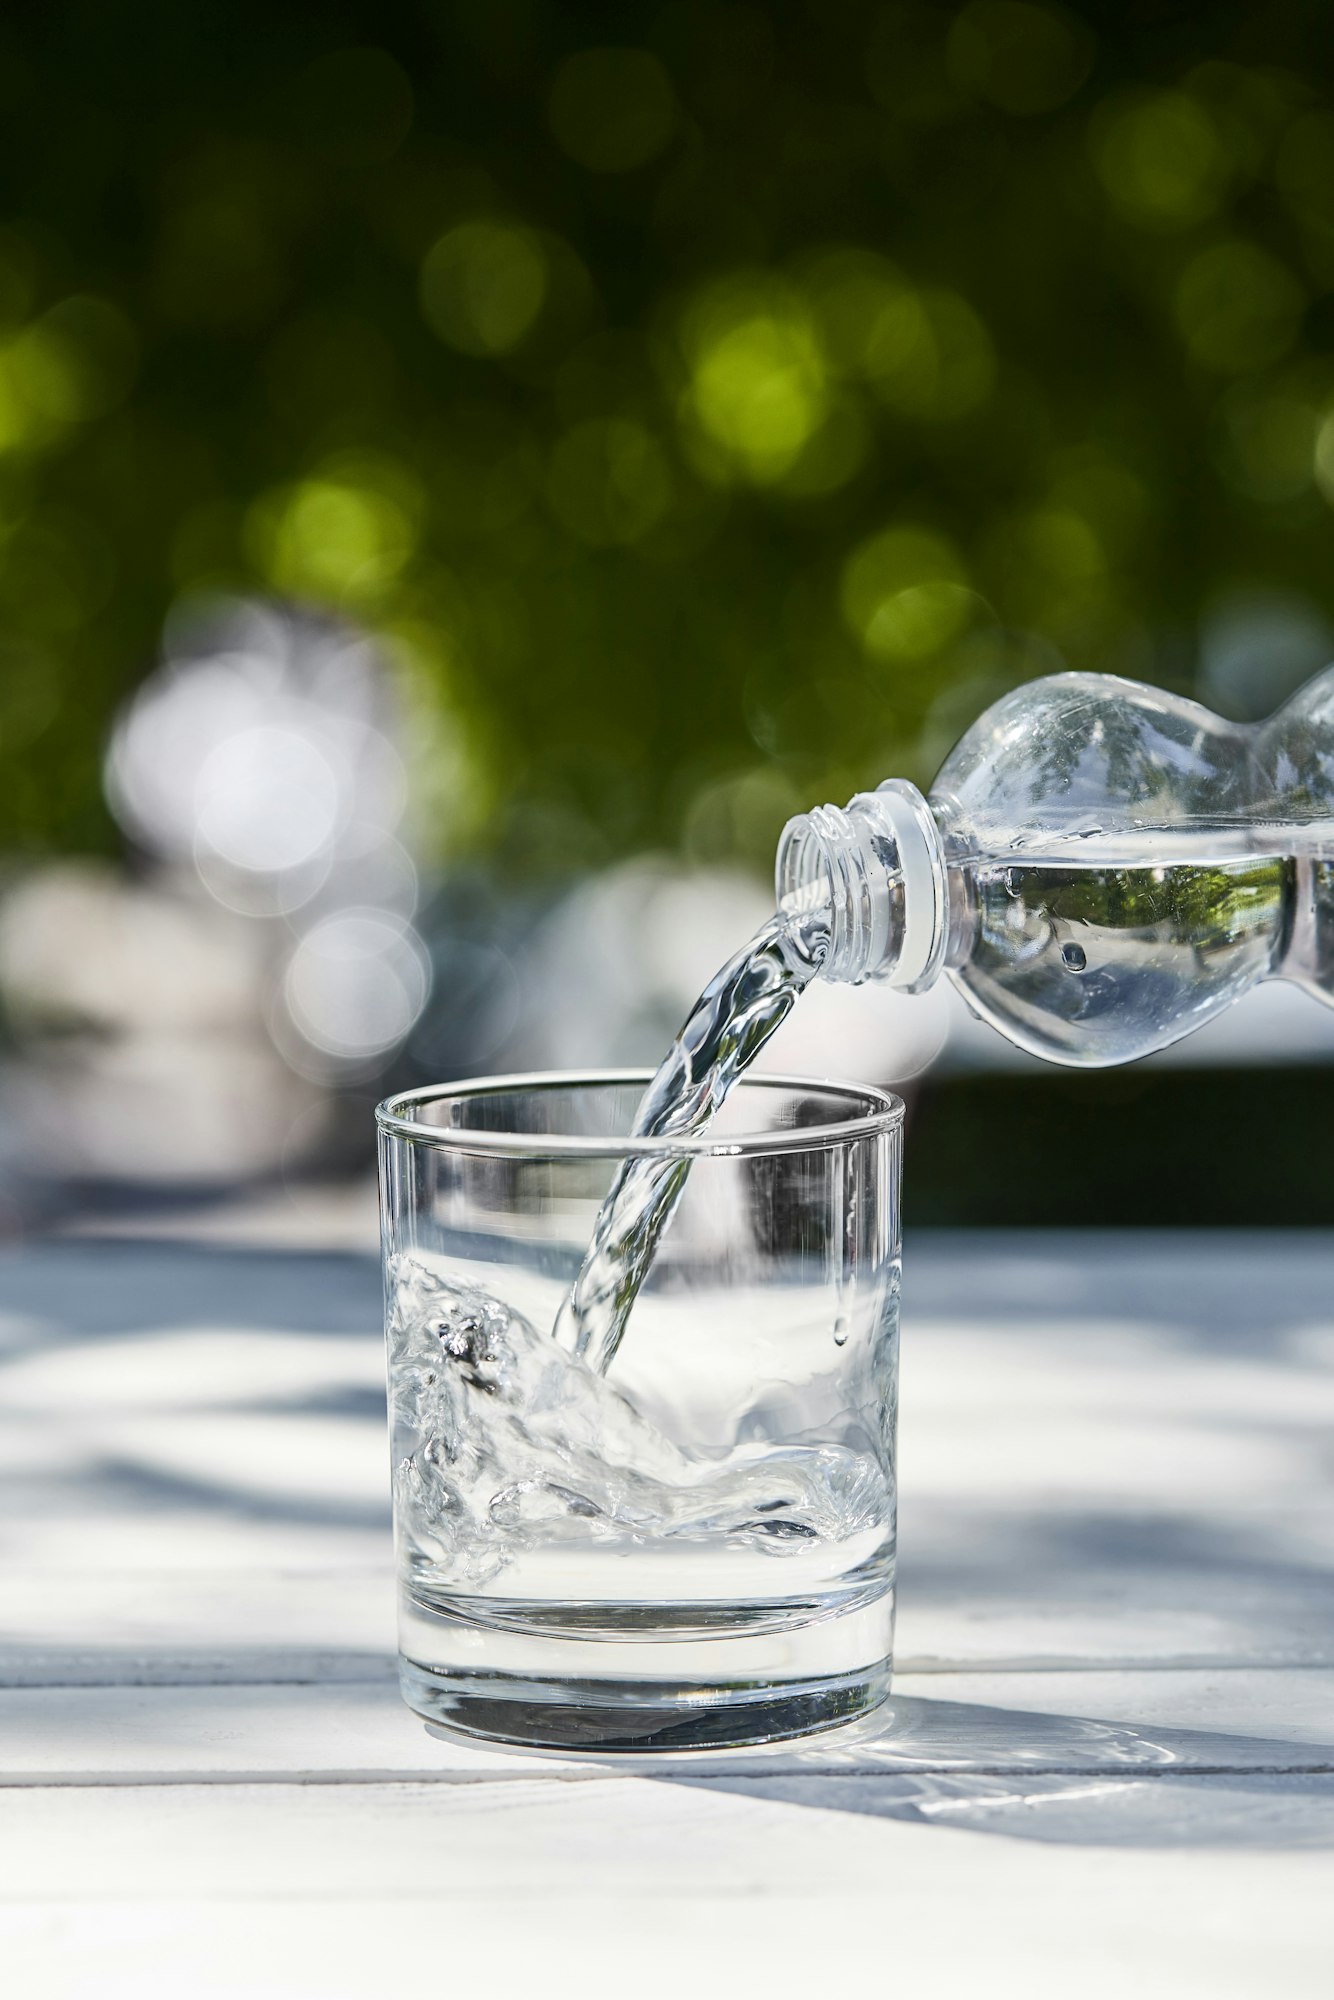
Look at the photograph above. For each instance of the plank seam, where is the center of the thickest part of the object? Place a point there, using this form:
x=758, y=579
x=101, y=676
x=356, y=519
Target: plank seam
x=1130, y=1774
x=971, y=1670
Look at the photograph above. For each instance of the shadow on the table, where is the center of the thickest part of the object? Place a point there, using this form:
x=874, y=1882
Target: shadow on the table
x=1108, y=1585
x=158, y=1399
x=69, y=1290
x=1070, y=1780
x=1196, y=1289
x=1198, y=1576
x=64, y=1302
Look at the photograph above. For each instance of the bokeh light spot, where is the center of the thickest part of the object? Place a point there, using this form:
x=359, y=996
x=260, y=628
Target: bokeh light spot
x=738, y=818
x=340, y=536
x=27, y=379
x=1019, y=56
x=355, y=984
x=267, y=799
x=1324, y=457
x=1063, y=545
x=758, y=379
x=929, y=356
x=263, y=751
x=1161, y=160
x=1237, y=307
x=608, y=481
x=104, y=349
x=1269, y=445
x=905, y=594
x=73, y=364
x=849, y=290
x=482, y=286
x=612, y=110
x=1100, y=490
x=1249, y=107
x=1048, y=570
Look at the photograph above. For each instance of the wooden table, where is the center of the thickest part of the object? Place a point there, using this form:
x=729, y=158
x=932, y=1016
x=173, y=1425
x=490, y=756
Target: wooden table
x=1109, y=1767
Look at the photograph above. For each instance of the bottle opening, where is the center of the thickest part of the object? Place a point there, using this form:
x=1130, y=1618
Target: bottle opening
x=878, y=866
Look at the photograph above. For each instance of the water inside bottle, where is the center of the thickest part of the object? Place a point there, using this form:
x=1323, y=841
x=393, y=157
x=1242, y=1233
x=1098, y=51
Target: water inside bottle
x=1099, y=950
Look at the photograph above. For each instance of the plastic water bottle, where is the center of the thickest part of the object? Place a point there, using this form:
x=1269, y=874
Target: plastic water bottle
x=1100, y=867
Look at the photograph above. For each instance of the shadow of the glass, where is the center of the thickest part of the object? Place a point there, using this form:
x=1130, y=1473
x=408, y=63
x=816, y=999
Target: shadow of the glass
x=1261, y=1810
x=1071, y=1780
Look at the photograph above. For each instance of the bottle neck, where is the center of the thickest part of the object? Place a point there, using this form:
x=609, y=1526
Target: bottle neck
x=878, y=866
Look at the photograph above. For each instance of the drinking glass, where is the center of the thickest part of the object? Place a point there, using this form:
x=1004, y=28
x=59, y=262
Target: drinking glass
x=695, y=1548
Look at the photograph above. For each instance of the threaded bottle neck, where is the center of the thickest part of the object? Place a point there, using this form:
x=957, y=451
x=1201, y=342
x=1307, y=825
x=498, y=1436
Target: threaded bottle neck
x=877, y=865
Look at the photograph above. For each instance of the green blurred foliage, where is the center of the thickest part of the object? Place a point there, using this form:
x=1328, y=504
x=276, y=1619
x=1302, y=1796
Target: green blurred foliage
x=714, y=406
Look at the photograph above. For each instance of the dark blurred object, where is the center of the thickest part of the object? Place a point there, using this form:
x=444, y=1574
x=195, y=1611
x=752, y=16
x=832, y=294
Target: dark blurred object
x=1193, y=1148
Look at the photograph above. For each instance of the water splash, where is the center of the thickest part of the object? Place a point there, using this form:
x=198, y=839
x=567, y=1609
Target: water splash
x=512, y=1446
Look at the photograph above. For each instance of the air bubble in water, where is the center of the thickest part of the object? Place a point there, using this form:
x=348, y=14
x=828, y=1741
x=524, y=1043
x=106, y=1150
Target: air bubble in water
x=1075, y=957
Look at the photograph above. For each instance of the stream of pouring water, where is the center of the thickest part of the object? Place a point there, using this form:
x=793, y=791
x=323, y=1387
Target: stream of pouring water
x=728, y=1026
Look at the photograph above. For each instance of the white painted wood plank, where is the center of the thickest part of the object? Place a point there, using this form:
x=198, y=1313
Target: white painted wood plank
x=184, y=1627
x=645, y=1884
x=1013, y=1941
x=1109, y=1723
x=921, y=1929
x=167, y=1735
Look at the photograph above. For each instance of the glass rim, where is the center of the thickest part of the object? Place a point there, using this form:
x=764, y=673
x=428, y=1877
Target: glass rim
x=393, y=1117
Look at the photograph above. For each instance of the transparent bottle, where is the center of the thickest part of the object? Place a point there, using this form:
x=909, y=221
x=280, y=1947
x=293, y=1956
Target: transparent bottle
x=1100, y=867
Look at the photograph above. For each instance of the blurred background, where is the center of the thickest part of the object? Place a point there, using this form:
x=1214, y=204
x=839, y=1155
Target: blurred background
x=469, y=472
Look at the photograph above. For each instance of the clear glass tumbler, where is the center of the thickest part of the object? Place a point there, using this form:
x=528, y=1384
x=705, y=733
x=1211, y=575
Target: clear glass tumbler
x=696, y=1548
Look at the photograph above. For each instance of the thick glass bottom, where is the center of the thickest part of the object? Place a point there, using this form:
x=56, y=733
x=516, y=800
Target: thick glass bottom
x=633, y=1682
x=635, y=1716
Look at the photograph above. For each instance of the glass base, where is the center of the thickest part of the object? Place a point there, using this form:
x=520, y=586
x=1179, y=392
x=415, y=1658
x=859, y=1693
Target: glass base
x=641, y=1677
x=633, y=1716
